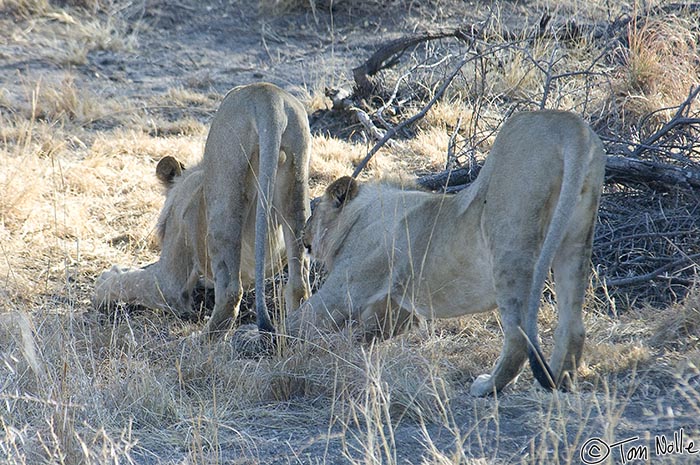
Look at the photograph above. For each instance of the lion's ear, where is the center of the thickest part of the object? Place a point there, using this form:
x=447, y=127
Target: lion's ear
x=168, y=169
x=342, y=190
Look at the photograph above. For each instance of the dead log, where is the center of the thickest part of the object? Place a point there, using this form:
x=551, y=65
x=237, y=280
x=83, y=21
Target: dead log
x=458, y=178
x=618, y=170
x=635, y=172
x=389, y=54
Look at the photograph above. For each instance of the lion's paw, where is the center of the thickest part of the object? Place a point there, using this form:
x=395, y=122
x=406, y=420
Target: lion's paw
x=482, y=386
x=106, y=287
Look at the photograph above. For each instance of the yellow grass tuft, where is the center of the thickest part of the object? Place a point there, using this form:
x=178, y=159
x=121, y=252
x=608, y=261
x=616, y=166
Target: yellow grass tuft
x=450, y=114
x=679, y=328
x=18, y=194
x=428, y=149
x=332, y=158
x=67, y=101
x=659, y=68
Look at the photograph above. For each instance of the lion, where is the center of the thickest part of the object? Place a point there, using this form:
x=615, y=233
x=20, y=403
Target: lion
x=232, y=216
x=394, y=254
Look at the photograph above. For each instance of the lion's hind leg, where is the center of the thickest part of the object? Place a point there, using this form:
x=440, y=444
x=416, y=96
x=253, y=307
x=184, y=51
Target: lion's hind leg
x=224, y=243
x=509, y=364
x=570, y=268
x=227, y=296
x=512, y=286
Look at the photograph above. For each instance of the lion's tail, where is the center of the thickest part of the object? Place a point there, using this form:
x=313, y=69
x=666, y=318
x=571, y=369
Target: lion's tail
x=572, y=183
x=270, y=130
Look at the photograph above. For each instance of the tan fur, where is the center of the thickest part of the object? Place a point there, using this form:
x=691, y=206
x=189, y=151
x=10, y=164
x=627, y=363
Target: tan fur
x=259, y=141
x=393, y=254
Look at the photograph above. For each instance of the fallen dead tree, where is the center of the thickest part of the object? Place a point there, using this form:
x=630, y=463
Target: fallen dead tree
x=618, y=170
x=635, y=172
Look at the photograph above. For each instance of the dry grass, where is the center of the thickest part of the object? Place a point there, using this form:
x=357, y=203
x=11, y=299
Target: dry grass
x=78, y=193
x=93, y=390
x=659, y=67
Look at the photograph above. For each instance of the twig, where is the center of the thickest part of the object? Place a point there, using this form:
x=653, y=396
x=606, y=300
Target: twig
x=366, y=121
x=380, y=112
x=449, y=164
x=644, y=235
x=651, y=275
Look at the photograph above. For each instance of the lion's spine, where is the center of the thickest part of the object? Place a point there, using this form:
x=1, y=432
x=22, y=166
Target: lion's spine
x=572, y=183
x=270, y=139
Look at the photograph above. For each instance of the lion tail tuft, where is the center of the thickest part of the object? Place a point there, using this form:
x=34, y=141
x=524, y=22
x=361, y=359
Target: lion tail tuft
x=540, y=369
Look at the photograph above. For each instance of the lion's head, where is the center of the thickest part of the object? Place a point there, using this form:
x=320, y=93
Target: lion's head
x=325, y=213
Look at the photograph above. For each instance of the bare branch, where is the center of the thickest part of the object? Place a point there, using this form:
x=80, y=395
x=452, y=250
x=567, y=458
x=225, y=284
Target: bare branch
x=656, y=274
x=633, y=171
x=375, y=133
x=618, y=170
x=392, y=132
x=386, y=56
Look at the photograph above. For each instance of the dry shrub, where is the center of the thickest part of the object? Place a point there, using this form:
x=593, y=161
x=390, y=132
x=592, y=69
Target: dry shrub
x=605, y=357
x=284, y=6
x=316, y=100
x=121, y=147
x=59, y=402
x=186, y=126
x=427, y=150
x=19, y=194
x=450, y=114
x=104, y=33
x=279, y=7
x=21, y=137
x=178, y=96
x=459, y=346
x=90, y=5
x=359, y=8
x=20, y=351
x=514, y=76
x=373, y=376
x=30, y=8
x=65, y=36
x=662, y=57
x=35, y=212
